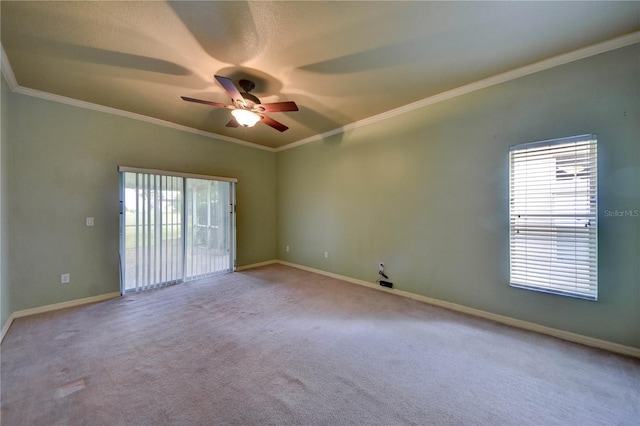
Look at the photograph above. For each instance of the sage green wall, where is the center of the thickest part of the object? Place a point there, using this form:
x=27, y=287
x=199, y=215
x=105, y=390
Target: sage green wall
x=5, y=296
x=427, y=193
x=64, y=163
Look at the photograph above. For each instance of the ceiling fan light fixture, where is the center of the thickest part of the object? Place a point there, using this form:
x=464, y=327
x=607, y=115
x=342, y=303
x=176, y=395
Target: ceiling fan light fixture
x=246, y=109
x=245, y=118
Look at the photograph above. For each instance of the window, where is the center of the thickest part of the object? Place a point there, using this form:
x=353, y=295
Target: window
x=553, y=214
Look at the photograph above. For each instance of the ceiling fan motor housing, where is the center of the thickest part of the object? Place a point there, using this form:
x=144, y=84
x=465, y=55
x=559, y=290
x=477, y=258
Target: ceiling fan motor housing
x=247, y=85
x=247, y=109
x=250, y=97
x=250, y=100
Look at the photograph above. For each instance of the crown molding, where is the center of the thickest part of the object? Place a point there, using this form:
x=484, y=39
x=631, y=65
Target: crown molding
x=6, y=69
x=140, y=117
x=596, y=49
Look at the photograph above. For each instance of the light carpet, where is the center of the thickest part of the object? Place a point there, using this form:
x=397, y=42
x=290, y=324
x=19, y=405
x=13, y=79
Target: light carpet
x=280, y=346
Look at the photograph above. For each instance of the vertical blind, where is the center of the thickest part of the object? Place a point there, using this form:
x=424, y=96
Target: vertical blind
x=174, y=227
x=553, y=216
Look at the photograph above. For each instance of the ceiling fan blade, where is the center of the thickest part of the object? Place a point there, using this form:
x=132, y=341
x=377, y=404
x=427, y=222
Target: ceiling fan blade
x=273, y=123
x=200, y=101
x=279, y=106
x=233, y=122
x=231, y=88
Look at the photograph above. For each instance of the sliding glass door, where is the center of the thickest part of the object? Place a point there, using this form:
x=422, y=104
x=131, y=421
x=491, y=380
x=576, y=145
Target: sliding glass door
x=208, y=217
x=174, y=228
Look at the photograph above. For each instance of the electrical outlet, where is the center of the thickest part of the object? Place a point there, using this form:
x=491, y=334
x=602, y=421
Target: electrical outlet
x=381, y=266
x=64, y=278
x=89, y=221
x=287, y=249
x=326, y=254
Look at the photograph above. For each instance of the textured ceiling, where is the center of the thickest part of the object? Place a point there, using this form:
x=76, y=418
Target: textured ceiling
x=341, y=62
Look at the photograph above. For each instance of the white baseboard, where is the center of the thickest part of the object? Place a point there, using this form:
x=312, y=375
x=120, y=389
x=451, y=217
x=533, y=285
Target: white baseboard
x=525, y=325
x=6, y=327
x=55, y=307
x=87, y=300
x=255, y=265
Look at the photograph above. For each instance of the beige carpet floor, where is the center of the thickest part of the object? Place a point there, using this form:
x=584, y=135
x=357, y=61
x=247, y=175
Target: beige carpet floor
x=280, y=346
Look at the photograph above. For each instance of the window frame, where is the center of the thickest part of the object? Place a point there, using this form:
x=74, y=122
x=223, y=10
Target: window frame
x=553, y=216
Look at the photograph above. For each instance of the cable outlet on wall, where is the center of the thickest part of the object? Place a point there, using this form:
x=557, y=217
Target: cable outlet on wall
x=64, y=278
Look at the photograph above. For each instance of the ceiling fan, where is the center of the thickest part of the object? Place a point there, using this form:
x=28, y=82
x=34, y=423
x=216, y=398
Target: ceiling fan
x=246, y=108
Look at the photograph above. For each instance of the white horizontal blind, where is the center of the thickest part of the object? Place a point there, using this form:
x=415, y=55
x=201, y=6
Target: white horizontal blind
x=553, y=216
